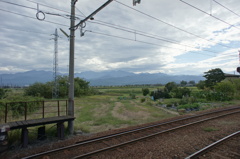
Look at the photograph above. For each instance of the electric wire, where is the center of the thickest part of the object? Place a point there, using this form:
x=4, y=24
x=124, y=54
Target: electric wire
x=134, y=40
x=144, y=34
x=19, y=5
x=49, y=6
x=29, y=31
x=108, y=34
x=81, y=12
x=148, y=15
x=227, y=8
x=33, y=17
x=209, y=14
x=156, y=38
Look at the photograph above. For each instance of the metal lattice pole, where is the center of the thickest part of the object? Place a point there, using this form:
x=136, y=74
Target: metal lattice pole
x=55, y=90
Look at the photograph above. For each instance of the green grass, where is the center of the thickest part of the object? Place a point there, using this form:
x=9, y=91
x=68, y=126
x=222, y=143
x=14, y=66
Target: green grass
x=210, y=129
x=106, y=111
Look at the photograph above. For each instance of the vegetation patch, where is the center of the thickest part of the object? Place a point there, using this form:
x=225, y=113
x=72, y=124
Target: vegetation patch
x=210, y=129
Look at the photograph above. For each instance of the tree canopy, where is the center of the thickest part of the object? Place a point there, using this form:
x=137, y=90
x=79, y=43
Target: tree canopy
x=213, y=76
x=81, y=87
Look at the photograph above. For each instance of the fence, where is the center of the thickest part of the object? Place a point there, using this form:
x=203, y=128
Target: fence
x=18, y=111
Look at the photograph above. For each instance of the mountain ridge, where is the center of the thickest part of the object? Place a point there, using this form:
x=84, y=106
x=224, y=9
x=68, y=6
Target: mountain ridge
x=103, y=78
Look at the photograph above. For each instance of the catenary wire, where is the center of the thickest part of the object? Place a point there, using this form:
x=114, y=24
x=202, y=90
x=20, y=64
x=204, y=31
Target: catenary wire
x=209, y=14
x=156, y=38
x=19, y=5
x=102, y=33
x=226, y=8
x=85, y=16
x=29, y=31
x=32, y=17
x=166, y=40
x=124, y=38
x=169, y=24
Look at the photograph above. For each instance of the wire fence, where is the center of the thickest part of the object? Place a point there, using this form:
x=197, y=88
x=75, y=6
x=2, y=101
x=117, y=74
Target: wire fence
x=20, y=111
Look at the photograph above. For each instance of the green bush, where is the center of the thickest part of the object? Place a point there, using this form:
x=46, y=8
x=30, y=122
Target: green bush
x=180, y=92
x=143, y=100
x=189, y=106
x=81, y=87
x=145, y=91
x=3, y=93
x=226, y=90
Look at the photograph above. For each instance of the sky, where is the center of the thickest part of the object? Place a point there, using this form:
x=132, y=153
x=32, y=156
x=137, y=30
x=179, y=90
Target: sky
x=187, y=37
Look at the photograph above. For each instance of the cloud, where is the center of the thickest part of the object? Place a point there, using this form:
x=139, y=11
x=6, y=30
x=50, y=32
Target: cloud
x=25, y=41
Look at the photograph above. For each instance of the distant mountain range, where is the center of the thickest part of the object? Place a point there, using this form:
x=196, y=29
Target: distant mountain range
x=104, y=78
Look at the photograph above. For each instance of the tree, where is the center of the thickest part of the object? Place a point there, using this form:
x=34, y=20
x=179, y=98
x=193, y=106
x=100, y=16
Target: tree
x=170, y=86
x=180, y=92
x=39, y=90
x=192, y=83
x=145, y=91
x=226, y=90
x=81, y=87
x=200, y=84
x=183, y=83
x=213, y=76
x=2, y=93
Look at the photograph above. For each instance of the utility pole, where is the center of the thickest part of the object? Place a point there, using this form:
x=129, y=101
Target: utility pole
x=71, y=68
x=55, y=90
x=73, y=27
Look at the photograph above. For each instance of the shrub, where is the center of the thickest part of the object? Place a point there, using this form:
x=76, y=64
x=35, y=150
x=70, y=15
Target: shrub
x=143, y=100
x=225, y=90
x=195, y=106
x=145, y=91
x=181, y=92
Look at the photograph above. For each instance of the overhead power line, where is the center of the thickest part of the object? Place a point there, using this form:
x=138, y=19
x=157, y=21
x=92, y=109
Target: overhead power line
x=155, y=37
x=209, y=14
x=32, y=17
x=118, y=27
x=29, y=31
x=227, y=8
x=129, y=39
x=148, y=15
x=48, y=6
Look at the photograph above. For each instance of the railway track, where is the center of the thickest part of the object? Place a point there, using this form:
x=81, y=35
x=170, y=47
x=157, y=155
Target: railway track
x=221, y=148
x=97, y=145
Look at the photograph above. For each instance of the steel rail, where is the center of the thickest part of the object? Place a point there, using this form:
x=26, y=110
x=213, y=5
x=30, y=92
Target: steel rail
x=212, y=146
x=125, y=132
x=151, y=135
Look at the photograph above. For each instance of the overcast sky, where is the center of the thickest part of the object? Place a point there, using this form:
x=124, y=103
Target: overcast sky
x=166, y=36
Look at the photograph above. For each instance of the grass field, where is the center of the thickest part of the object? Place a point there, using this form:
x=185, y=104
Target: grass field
x=115, y=109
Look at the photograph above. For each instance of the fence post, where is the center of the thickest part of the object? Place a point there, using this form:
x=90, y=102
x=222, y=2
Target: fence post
x=58, y=108
x=66, y=106
x=6, y=112
x=25, y=110
x=43, y=109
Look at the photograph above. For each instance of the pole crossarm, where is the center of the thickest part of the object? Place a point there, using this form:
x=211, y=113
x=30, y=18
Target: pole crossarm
x=91, y=15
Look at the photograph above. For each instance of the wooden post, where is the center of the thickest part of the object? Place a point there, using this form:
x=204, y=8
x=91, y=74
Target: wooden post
x=25, y=113
x=43, y=109
x=60, y=130
x=24, y=137
x=6, y=112
x=41, y=133
x=58, y=109
x=66, y=106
